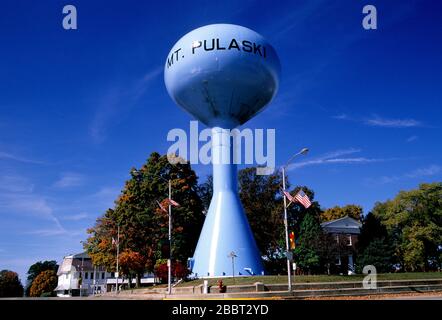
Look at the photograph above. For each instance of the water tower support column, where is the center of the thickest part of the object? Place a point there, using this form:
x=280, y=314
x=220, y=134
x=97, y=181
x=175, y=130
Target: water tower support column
x=226, y=228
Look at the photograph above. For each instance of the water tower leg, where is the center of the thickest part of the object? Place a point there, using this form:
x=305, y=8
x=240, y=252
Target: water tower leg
x=226, y=228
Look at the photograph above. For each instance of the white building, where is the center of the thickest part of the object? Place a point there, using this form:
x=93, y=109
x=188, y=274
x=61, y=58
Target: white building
x=93, y=279
x=76, y=267
x=346, y=231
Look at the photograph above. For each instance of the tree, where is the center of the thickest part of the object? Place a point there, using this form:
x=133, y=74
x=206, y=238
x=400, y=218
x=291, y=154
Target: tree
x=143, y=225
x=263, y=203
x=372, y=228
x=351, y=210
x=44, y=283
x=10, y=285
x=178, y=270
x=374, y=245
x=132, y=263
x=306, y=252
x=414, y=223
x=261, y=199
x=38, y=268
x=378, y=253
x=205, y=192
x=99, y=244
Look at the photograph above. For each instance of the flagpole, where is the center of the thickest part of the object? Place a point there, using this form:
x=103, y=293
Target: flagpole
x=118, y=252
x=289, y=274
x=169, y=264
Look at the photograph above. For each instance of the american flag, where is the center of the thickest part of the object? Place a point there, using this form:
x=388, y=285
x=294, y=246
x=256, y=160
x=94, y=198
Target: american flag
x=174, y=203
x=162, y=207
x=303, y=199
x=288, y=195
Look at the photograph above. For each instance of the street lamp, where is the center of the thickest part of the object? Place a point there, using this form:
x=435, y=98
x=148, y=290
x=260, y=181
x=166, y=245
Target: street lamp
x=169, y=261
x=80, y=278
x=289, y=274
x=232, y=255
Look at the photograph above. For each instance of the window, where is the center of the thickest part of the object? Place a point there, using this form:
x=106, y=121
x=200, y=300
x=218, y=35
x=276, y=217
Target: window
x=349, y=240
x=86, y=275
x=92, y=275
x=112, y=274
x=338, y=260
x=102, y=276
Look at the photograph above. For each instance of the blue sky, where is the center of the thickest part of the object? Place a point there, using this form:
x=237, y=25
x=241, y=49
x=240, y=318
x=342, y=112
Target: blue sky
x=79, y=108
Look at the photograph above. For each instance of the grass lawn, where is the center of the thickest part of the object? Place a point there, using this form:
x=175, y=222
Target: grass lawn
x=315, y=278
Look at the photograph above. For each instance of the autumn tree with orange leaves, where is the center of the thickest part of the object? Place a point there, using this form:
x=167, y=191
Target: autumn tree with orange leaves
x=44, y=283
x=143, y=224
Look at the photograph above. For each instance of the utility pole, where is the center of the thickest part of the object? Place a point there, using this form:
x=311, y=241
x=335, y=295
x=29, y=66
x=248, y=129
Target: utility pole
x=81, y=285
x=118, y=252
x=169, y=262
x=289, y=273
x=289, y=254
x=232, y=255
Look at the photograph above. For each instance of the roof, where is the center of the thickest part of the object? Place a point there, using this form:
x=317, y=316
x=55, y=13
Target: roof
x=345, y=224
x=80, y=261
x=83, y=255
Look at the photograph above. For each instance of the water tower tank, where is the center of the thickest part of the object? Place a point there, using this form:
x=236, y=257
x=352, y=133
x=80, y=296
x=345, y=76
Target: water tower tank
x=223, y=75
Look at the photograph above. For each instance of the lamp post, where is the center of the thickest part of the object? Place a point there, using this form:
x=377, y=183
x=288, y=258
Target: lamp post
x=232, y=255
x=289, y=274
x=118, y=253
x=169, y=261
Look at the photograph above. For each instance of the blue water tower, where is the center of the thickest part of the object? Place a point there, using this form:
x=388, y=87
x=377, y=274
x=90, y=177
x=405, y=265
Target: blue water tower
x=223, y=75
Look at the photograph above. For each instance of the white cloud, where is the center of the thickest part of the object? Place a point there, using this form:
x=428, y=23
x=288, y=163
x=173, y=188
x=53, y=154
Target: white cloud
x=70, y=179
x=118, y=99
x=75, y=217
x=335, y=157
x=106, y=192
x=392, y=123
x=48, y=232
x=377, y=121
x=429, y=171
x=412, y=138
x=425, y=172
x=10, y=156
x=341, y=116
x=14, y=183
x=19, y=198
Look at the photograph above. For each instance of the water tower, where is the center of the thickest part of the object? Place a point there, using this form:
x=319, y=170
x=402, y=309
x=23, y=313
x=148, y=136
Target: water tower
x=223, y=75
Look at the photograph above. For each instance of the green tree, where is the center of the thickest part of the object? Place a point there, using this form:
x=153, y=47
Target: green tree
x=143, y=225
x=262, y=203
x=10, y=285
x=374, y=245
x=351, y=210
x=205, y=192
x=414, y=223
x=306, y=252
x=99, y=244
x=44, y=284
x=38, y=268
x=372, y=228
x=378, y=253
